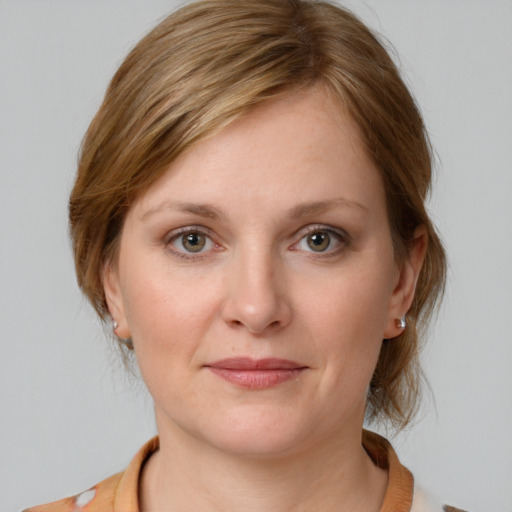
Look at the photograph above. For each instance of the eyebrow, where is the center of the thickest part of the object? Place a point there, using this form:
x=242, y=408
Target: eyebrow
x=202, y=210
x=316, y=207
x=211, y=212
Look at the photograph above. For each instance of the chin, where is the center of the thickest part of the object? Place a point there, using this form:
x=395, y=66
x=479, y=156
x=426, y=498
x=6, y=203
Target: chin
x=258, y=434
x=256, y=445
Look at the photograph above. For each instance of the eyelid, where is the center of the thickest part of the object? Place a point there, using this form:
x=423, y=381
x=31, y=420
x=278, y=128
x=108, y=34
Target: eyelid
x=187, y=229
x=312, y=228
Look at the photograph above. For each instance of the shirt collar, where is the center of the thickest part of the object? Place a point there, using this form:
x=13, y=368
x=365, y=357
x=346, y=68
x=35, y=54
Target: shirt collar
x=398, y=497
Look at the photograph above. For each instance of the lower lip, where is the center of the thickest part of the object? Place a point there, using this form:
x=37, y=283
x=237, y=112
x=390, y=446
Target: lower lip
x=257, y=379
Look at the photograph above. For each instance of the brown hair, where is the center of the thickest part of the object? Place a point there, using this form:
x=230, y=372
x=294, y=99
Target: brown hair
x=208, y=64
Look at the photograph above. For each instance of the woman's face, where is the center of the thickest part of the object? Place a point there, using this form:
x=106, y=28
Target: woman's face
x=257, y=280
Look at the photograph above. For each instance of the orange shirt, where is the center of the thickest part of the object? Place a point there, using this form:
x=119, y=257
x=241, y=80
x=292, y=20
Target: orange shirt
x=119, y=493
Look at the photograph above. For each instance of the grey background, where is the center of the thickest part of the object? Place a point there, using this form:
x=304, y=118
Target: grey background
x=70, y=416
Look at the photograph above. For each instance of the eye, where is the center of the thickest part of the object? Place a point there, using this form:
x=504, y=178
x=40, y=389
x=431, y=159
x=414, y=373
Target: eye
x=321, y=240
x=191, y=241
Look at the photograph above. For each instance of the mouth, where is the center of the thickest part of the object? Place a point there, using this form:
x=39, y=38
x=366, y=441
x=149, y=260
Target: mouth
x=256, y=373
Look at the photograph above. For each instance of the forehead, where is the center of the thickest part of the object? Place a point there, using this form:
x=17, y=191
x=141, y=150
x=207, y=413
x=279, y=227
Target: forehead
x=299, y=148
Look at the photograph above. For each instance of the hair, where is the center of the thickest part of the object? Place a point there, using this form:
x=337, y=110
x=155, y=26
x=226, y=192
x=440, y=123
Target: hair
x=208, y=64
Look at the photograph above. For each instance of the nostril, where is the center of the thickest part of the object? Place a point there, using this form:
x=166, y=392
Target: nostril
x=256, y=311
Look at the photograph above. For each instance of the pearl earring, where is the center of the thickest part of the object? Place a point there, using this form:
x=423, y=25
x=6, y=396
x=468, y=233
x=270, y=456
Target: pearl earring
x=127, y=342
x=401, y=323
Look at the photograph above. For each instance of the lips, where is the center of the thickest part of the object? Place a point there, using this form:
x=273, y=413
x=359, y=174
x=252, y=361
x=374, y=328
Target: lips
x=256, y=373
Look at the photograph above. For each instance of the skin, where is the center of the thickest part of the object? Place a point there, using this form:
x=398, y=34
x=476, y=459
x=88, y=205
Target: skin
x=258, y=194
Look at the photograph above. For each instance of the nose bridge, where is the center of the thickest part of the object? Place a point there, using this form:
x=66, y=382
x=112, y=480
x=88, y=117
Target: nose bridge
x=257, y=293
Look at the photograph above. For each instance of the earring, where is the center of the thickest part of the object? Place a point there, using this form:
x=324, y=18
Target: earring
x=127, y=342
x=401, y=323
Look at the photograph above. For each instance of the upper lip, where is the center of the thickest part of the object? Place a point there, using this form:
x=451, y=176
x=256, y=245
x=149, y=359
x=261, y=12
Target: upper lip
x=247, y=363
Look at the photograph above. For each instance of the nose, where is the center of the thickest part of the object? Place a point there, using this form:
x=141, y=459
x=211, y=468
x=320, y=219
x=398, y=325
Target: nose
x=257, y=298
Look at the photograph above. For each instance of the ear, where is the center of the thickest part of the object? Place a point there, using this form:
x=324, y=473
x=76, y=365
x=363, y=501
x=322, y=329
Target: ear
x=405, y=283
x=114, y=298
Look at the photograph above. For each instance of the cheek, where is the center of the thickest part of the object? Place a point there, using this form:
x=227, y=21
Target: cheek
x=169, y=320
x=353, y=303
x=169, y=314
x=349, y=318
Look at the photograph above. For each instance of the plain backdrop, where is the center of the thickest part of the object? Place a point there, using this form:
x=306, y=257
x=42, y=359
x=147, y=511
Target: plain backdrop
x=69, y=415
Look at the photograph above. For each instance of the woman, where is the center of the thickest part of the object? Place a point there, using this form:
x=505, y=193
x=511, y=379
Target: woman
x=249, y=214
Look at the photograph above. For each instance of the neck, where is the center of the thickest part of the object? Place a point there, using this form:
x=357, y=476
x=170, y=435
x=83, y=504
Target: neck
x=188, y=475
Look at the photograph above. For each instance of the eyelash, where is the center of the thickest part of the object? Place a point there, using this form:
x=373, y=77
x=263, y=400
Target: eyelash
x=339, y=235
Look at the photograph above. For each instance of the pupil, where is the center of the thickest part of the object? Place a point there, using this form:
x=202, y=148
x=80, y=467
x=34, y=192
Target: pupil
x=194, y=242
x=193, y=239
x=318, y=241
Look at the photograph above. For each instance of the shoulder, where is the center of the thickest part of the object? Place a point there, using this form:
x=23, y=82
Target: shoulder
x=423, y=501
x=99, y=498
x=118, y=492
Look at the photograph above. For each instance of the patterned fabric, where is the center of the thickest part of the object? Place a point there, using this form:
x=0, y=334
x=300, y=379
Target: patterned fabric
x=119, y=493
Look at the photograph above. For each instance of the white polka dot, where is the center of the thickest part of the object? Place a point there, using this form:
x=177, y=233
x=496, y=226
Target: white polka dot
x=85, y=498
